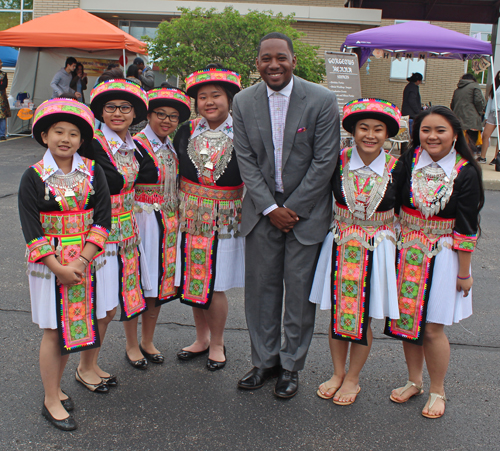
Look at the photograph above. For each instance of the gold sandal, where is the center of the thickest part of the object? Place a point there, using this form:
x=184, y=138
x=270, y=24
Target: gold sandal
x=434, y=397
x=323, y=395
x=408, y=385
x=347, y=403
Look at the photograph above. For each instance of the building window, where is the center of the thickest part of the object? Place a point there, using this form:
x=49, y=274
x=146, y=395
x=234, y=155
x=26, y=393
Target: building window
x=483, y=32
x=402, y=68
x=15, y=12
x=138, y=29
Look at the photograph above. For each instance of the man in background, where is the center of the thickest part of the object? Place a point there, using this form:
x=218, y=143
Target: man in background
x=62, y=79
x=146, y=74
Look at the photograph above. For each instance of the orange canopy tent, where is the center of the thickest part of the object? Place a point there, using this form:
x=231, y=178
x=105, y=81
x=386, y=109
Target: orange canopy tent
x=75, y=28
x=45, y=43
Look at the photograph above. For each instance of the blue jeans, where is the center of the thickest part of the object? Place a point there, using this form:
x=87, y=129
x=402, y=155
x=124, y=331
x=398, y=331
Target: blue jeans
x=3, y=124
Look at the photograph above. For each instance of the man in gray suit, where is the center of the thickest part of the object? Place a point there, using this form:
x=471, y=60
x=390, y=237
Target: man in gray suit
x=287, y=139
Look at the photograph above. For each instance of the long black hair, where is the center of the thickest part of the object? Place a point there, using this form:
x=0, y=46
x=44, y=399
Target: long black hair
x=496, y=83
x=462, y=146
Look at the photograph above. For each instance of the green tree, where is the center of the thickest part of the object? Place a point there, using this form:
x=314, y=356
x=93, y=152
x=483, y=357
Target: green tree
x=201, y=36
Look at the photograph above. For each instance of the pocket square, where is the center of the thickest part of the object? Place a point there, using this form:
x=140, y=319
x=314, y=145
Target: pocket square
x=301, y=130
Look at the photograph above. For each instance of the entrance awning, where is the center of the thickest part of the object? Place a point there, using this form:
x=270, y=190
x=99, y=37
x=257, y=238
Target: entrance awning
x=472, y=11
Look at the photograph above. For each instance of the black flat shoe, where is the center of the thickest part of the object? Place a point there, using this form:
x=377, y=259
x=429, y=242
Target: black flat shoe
x=96, y=388
x=110, y=381
x=256, y=377
x=214, y=365
x=153, y=358
x=140, y=364
x=188, y=355
x=287, y=384
x=68, y=403
x=68, y=424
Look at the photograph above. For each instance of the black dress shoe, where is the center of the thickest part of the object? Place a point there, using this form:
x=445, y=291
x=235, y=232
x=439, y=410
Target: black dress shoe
x=68, y=424
x=287, y=384
x=140, y=364
x=214, y=365
x=256, y=377
x=110, y=381
x=96, y=388
x=153, y=358
x=68, y=403
x=188, y=355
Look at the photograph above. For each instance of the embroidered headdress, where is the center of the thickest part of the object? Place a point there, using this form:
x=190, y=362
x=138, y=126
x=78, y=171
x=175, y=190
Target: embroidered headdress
x=63, y=110
x=227, y=78
x=119, y=89
x=381, y=110
x=171, y=97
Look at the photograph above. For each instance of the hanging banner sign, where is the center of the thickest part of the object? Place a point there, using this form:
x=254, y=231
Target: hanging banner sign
x=94, y=67
x=342, y=76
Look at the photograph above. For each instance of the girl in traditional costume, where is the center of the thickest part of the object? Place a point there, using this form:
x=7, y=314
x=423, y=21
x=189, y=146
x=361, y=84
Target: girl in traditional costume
x=117, y=104
x=356, y=276
x=211, y=252
x=65, y=216
x=442, y=195
x=157, y=212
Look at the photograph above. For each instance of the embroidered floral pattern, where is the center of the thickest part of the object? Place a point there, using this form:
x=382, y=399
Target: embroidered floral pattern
x=464, y=242
x=39, y=248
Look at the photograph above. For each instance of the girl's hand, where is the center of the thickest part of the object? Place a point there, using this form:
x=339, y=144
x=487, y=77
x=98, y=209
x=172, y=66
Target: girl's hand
x=78, y=265
x=464, y=285
x=68, y=275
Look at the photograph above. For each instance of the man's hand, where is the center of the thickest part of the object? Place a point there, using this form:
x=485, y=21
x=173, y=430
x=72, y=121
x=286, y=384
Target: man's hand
x=283, y=218
x=78, y=95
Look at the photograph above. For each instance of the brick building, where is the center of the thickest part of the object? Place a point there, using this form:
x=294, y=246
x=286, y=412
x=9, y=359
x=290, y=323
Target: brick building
x=325, y=22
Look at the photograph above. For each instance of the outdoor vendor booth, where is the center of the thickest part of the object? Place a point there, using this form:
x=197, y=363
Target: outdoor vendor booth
x=47, y=41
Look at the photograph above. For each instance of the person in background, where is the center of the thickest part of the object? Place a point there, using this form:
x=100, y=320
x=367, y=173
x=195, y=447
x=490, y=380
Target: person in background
x=79, y=81
x=133, y=74
x=146, y=74
x=62, y=79
x=491, y=119
x=4, y=103
x=468, y=105
x=412, y=104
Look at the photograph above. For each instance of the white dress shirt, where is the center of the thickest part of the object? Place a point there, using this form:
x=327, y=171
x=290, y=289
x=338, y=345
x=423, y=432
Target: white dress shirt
x=447, y=163
x=278, y=109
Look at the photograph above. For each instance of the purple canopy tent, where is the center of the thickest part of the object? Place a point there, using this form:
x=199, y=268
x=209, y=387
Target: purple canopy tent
x=410, y=39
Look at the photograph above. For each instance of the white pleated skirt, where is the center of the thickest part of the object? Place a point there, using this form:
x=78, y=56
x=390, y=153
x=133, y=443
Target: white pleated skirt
x=383, y=286
x=149, y=230
x=230, y=263
x=446, y=305
x=107, y=280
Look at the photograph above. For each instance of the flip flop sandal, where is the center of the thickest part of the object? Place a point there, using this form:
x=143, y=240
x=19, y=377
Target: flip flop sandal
x=347, y=403
x=434, y=397
x=408, y=385
x=328, y=389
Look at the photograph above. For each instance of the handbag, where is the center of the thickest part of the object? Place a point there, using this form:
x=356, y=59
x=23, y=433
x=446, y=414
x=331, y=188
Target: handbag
x=497, y=162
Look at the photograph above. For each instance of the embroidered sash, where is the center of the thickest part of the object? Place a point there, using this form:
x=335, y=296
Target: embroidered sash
x=355, y=241
x=76, y=318
x=204, y=211
x=152, y=196
x=125, y=232
x=420, y=243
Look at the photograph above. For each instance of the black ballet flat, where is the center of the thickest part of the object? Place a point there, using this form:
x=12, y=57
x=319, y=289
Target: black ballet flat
x=110, y=381
x=213, y=365
x=140, y=364
x=68, y=403
x=153, y=358
x=188, y=355
x=68, y=424
x=96, y=388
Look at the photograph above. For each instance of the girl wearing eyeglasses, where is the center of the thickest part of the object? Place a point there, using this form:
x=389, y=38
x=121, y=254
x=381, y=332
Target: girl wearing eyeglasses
x=157, y=212
x=117, y=104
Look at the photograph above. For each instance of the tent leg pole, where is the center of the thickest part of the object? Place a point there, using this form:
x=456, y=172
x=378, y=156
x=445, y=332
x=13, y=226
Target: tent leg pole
x=124, y=61
x=36, y=72
x=495, y=97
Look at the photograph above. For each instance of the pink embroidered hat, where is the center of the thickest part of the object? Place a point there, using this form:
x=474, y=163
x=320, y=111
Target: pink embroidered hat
x=227, y=78
x=171, y=97
x=381, y=110
x=63, y=110
x=119, y=89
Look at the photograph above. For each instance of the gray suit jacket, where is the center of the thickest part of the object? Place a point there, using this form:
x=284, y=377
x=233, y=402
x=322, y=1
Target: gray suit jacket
x=309, y=157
